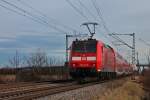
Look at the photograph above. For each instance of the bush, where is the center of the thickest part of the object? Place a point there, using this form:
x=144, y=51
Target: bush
x=146, y=79
x=26, y=76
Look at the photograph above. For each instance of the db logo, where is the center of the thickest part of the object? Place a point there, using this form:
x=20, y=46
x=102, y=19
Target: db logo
x=83, y=58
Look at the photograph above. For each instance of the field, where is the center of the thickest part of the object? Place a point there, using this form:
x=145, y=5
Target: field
x=128, y=91
x=138, y=89
x=7, y=78
x=30, y=74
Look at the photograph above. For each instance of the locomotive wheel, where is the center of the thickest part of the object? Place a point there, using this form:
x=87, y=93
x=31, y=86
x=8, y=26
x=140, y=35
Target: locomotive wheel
x=80, y=80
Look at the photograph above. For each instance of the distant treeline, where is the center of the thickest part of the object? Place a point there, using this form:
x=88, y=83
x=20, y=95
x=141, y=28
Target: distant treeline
x=53, y=70
x=8, y=71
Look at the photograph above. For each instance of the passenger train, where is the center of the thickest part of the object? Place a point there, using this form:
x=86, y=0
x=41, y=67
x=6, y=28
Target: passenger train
x=93, y=58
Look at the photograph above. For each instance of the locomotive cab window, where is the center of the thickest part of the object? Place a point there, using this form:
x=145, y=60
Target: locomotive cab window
x=84, y=46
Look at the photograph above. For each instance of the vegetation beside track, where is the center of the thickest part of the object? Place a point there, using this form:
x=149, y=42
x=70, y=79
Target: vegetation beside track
x=139, y=89
x=49, y=73
x=128, y=91
x=145, y=81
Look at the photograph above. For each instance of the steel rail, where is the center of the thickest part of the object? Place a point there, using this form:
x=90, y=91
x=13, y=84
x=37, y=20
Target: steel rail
x=45, y=91
x=6, y=87
x=19, y=92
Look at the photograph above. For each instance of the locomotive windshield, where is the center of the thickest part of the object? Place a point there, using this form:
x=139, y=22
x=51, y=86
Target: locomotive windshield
x=84, y=46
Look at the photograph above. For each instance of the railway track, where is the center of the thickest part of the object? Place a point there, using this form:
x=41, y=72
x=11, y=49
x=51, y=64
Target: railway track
x=8, y=86
x=32, y=93
x=19, y=84
x=28, y=93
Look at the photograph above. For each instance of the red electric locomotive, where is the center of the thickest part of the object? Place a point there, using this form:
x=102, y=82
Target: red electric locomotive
x=93, y=58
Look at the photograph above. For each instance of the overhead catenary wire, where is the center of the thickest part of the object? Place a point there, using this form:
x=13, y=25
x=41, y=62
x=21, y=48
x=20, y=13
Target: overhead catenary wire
x=86, y=9
x=95, y=4
x=145, y=42
x=33, y=16
x=44, y=16
x=77, y=10
x=100, y=15
x=81, y=4
x=12, y=10
x=101, y=20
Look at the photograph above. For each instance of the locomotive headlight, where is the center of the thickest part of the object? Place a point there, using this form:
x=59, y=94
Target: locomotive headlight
x=73, y=65
x=93, y=64
x=91, y=58
x=98, y=70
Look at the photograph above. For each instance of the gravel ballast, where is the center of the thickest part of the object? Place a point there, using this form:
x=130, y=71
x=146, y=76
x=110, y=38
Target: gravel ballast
x=87, y=93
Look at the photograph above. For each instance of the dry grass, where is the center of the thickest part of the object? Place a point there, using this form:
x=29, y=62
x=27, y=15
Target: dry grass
x=129, y=91
x=7, y=78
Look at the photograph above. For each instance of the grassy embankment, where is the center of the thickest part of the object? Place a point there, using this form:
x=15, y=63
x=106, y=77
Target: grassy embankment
x=128, y=91
x=131, y=90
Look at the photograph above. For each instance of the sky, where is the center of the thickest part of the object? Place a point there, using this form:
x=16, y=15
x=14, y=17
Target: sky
x=25, y=35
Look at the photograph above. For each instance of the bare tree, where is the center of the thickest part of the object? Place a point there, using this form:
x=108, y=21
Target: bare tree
x=148, y=58
x=37, y=60
x=52, y=61
x=56, y=61
x=15, y=61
